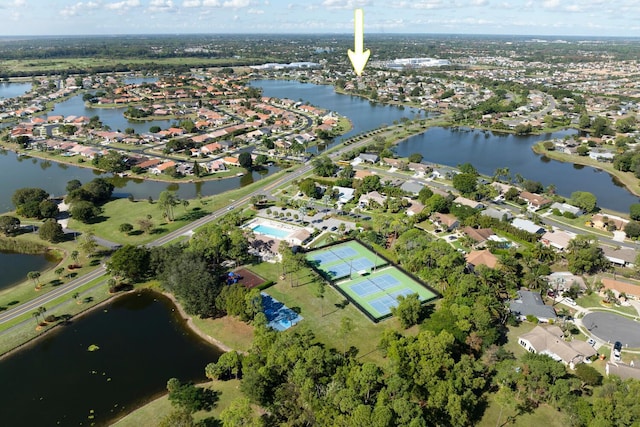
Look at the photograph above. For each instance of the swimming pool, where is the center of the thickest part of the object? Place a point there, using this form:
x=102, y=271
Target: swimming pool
x=271, y=231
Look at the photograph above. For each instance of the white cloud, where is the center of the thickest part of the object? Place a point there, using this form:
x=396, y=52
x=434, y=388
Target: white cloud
x=479, y=2
x=123, y=5
x=255, y=11
x=422, y=4
x=191, y=3
x=79, y=8
x=342, y=4
x=551, y=4
x=210, y=3
x=160, y=6
x=236, y=4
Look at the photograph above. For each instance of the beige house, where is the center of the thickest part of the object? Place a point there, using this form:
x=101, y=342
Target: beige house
x=550, y=340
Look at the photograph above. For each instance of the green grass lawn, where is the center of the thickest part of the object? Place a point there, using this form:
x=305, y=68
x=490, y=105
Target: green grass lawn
x=151, y=413
x=594, y=300
x=323, y=316
x=512, y=338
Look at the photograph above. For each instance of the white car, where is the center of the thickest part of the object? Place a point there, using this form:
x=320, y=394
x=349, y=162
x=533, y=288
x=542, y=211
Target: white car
x=570, y=301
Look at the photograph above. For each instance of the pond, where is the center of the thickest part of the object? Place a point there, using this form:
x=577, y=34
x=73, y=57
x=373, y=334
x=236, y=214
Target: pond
x=15, y=266
x=13, y=89
x=142, y=342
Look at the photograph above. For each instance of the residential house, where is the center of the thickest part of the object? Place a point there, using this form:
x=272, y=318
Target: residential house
x=345, y=194
x=362, y=174
x=561, y=281
x=215, y=166
x=233, y=161
x=162, y=167
x=468, y=202
x=550, y=340
x=149, y=163
x=414, y=209
x=372, y=196
x=411, y=187
x=478, y=235
x=530, y=303
x=534, y=201
x=605, y=222
x=623, y=257
x=628, y=289
x=526, y=225
x=210, y=148
x=394, y=163
x=565, y=207
x=622, y=370
x=499, y=214
x=419, y=168
x=483, y=257
x=557, y=239
x=446, y=221
x=368, y=158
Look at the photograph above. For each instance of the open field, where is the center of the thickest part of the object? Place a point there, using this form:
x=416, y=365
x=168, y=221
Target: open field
x=35, y=66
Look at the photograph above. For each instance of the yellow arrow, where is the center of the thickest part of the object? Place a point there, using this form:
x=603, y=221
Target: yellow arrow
x=359, y=56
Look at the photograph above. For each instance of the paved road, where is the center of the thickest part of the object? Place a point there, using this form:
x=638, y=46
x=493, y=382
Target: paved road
x=612, y=327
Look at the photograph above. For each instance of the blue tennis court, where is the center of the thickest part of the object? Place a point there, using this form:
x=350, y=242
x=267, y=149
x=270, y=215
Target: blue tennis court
x=339, y=270
x=385, y=281
x=364, y=289
x=333, y=255
x=404, y=292
x=383, y=304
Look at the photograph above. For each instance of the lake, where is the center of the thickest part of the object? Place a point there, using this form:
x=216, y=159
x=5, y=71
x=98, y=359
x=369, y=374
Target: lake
x=11, y=90
x=143, y=342
x=112, y=117
x=488, y=151
x=485, y=150
x=15, y=266
x=53, y=177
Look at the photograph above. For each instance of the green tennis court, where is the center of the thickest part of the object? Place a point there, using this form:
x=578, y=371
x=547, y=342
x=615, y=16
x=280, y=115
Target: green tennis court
x=344, y=260
x=376, y=293
x=366, y=279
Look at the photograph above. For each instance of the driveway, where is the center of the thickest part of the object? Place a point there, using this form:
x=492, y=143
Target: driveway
x=613, y=327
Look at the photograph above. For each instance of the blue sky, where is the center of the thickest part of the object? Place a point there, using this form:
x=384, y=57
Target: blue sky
x=535, y=17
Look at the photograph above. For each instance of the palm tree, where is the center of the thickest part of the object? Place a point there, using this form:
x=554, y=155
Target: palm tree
x=59, y=271
x=35, y=277
x=75, y=296
x=74, y=256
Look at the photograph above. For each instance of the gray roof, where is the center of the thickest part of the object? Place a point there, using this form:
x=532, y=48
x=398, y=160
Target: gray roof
x=526, y=225
x=565, y=207
x=496, y=213
x=531, y=303
x=412, y=187
x=369, y=157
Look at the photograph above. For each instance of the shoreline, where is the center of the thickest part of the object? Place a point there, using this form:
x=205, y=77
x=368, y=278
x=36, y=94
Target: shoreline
x=633, y=188
x=187, y=319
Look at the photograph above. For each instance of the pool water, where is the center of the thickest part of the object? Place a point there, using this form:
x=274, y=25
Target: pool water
x=271, y=231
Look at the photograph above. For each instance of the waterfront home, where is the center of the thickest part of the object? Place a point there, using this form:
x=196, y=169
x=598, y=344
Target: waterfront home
x=534, y=201
x=162, y=167
x=565, y=207
x=149, y=163
x=233, y=161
